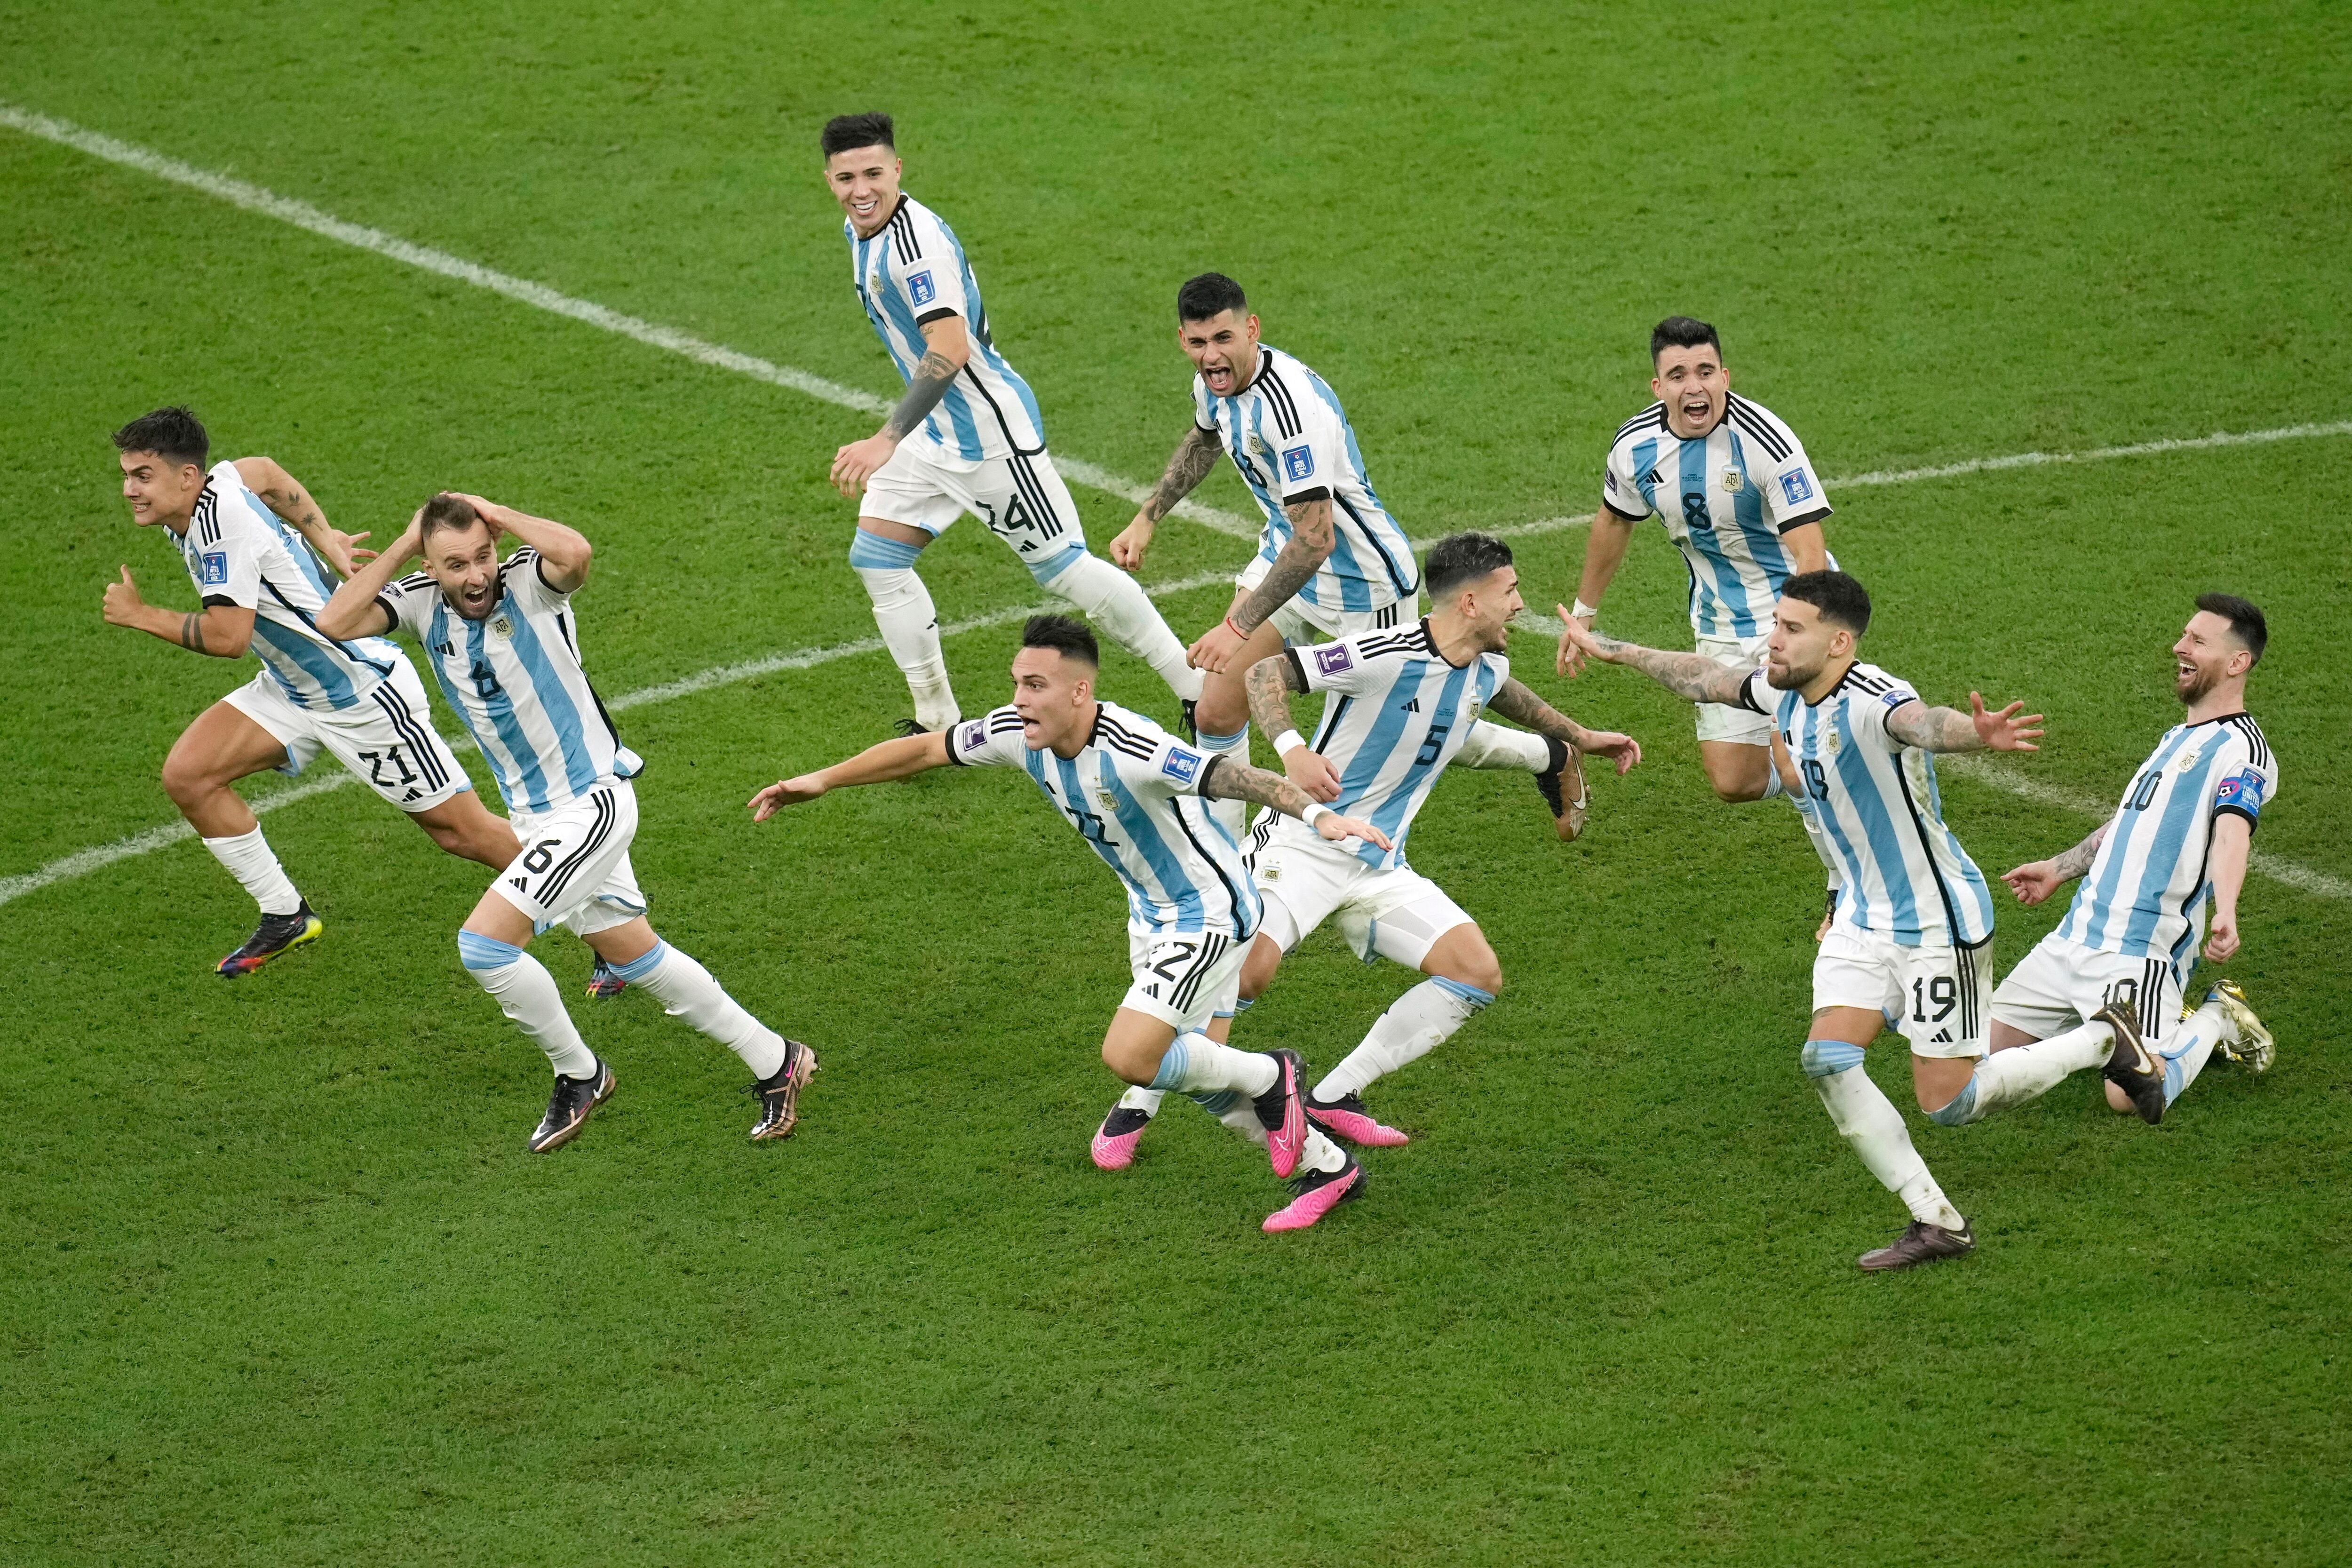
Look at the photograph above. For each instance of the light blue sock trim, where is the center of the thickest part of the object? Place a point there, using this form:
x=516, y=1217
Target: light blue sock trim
x=477, y=951
x=1960, y=1111
x=1243, y=1005
x=1822, y=1059
x=1218, y=1101
x=874, y=553
x=638, y=968
x=1223, y=743
x=1172, y=1066
x=1045, y=572
x=1470, y=994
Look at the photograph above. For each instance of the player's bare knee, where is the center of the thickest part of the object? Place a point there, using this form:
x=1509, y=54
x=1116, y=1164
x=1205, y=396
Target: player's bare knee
x=186, y=780
x=1257, y=969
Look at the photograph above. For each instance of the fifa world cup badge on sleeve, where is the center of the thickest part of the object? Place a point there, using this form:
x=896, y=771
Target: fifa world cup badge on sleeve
x=1333, y=659
x=1180, y=764
x=1796, y=487
x=919, y=288
x=215, y=565
x=974, y=734
x=1297, y=463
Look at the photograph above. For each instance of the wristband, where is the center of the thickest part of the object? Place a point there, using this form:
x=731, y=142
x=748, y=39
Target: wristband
x=1316, y=812
x=1288, y=738
x=1582, y=611
x=1235, y=629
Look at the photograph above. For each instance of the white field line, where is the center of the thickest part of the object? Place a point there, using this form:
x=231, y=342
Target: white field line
x=2097, y=454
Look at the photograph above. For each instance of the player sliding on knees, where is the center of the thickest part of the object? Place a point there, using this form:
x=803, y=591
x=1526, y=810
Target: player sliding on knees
x=1331, y=562
x=1911, y=945
x=1139, y=796
x=2105, y=989
x=501, y=637
x=1396, y=707
x=358, y=698
x=967, y=436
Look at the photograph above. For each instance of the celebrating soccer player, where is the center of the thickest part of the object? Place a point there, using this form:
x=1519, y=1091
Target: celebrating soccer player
x=967, y=435
x=502, y=638
x=1138, y=795
x=262, y=589
x=1739, y=496
x=1331, y=562
x=1396, y=708
x=2105, y=988
x=1912, y=933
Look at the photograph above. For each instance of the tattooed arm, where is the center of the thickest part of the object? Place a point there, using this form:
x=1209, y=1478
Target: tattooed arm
x=1691, y=675
x=282, y=493
x=1229, y=779
x=1949, y=729
x=1196, y=454
x=1309, y=547
x=2038, y=879
x=945, y=347
x=1270, y=683
x=223, y=630
x=1516, y=702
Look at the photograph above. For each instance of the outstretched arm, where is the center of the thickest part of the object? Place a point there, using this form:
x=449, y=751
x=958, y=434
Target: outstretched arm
x=1516, y=702
x=1949, y=729
x=1229, y=779
x=1691, y=676
x=282, y=493
x=1196, y=454
x=2036, y=880
x=900, y=759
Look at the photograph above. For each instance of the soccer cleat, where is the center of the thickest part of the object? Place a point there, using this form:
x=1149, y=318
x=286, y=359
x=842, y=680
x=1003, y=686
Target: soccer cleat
x=273, y=935
x=605, y=982
x=1318, y=1192
x=1347, y=1116
x=1920, y=1243
x=2254, y=1049
x=903, y=727
x=780, y=1095
x=1567, y=815
x=1192, y=722
x=1115, y=1140
x=568, y=1108
x=1282, y=1112
x=2130, y=1067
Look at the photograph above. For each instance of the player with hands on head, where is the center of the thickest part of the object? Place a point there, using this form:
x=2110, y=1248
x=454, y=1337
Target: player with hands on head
x=1397, y=706
x=2105, y=988
x=502, y=637
x=1331, y=560
x=252, y=538
x=1911, y=941
x=966, y=436
x=1138, y=795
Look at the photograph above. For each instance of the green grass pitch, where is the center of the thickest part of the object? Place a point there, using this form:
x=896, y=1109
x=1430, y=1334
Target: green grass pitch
x=278, y=1284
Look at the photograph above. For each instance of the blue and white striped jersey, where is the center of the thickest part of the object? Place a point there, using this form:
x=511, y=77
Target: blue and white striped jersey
x=240, y=553
x=2146, y=892
x=1726, y=501
x=1292, y=442
x=1394, y=713
x=515, y=678
x=1906, y=877
x=1134, y=792
x=913, y=271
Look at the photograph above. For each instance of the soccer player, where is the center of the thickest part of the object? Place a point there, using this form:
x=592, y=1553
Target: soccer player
x=1738, y=495
x=966, y=438
x=1331, y=562
x=1913, y=934
x=1138, y=795
x=501, y=637
x=2105, y=988
x=1397, y=705
x=262, y=587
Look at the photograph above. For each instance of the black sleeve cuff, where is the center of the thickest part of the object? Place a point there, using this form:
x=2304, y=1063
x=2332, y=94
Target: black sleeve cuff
x=1300, y=498
x=928, y=317
x=1297, y=673
x=391, y=616
x=222, y=601
x=1208, y=772
x=1748, y=699
x=1796, y=522
x=1610, y=507
x=2251, y=822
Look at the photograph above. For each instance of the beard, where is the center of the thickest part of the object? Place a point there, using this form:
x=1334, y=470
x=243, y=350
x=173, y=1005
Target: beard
x=2201, y=685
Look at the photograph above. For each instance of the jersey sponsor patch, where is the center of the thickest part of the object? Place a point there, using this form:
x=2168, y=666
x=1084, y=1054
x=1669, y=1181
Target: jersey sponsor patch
x=1331, y=660
x=213, y=568
x=2241, y=790
x=974, y=734
x=1297, y=463
x=1796, y=487
x=1180, y=764
x=919, y=288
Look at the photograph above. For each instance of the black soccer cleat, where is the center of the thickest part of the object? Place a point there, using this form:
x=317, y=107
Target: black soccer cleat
x=605, y=982
x=780, y=1093
x=1567, y=815
x=273, y=935
x=2130, y=1067
x=904, y=727
x=1920, y=1243
x=1191, y=720
x=568, y=1108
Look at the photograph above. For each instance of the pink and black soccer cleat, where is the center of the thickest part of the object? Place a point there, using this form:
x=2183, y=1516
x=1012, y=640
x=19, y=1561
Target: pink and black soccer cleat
x=1347, y=1116
x=1115, y=1140
x=1320, y=1192
x=273, y=935
x=1282, y=1112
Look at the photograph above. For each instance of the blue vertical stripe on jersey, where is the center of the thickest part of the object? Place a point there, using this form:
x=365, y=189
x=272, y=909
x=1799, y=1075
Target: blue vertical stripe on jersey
x=1405, y=578
x=1175, y=886
x=2098, y=904
x=1364, y=767
x=291, y=648
x=1729, y=592
x=1853, y=771
x=437, y=631
x=509, y=731
x=2189, y=800
x=1748, y=508
x=562, y=712
x=1445, y=713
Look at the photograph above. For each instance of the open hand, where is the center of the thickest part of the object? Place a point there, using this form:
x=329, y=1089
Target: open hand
x=1576, y=646
x=783, y=792
x=341, y=550
x=1334, y=826
x=1127, y=550
x=2004, y=731
x=123, y=602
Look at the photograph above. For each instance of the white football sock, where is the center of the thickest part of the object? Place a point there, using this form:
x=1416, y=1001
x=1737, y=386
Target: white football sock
x=1234, y=748
x=526, y=993
x=2191, y=1047
x=1196, y=1064
x=2024, y=1072
x=254, y=864
x=909, y=625
x=1415, y=1024
x=1139, y=1097
x=686, y=990
x=1492, y=745
x=1117, y=603
x=1868, y=1121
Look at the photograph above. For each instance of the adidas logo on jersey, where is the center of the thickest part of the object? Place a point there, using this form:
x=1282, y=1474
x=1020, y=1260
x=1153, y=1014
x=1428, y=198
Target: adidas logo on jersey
x=1412, y=705
x=1943, y=1038
x=519, y=883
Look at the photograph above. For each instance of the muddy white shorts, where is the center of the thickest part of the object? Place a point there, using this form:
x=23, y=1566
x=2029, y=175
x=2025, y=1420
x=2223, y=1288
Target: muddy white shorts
x=1936, y=998
x=386, y=736
x=574, y=866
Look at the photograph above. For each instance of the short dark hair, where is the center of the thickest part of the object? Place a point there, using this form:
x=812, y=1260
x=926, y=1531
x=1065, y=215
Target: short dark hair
x=1842, y=601
x=446, y=512
x=1208, y=295
x=1682, y=332
x=2246, y=623
x=176, y=433
x=1460, y=559
x=1070, y=638
x=844, y=131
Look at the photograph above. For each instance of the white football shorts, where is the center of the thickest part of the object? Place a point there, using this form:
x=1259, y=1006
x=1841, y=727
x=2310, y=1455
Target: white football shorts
x=1184, y=978
x=386, y=736
x=1397, y=914
x=1303, y=625
x=2061, y=983
x=1022, y=499
x=574, y=866
x=1726, y=721
x=1936, y=998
